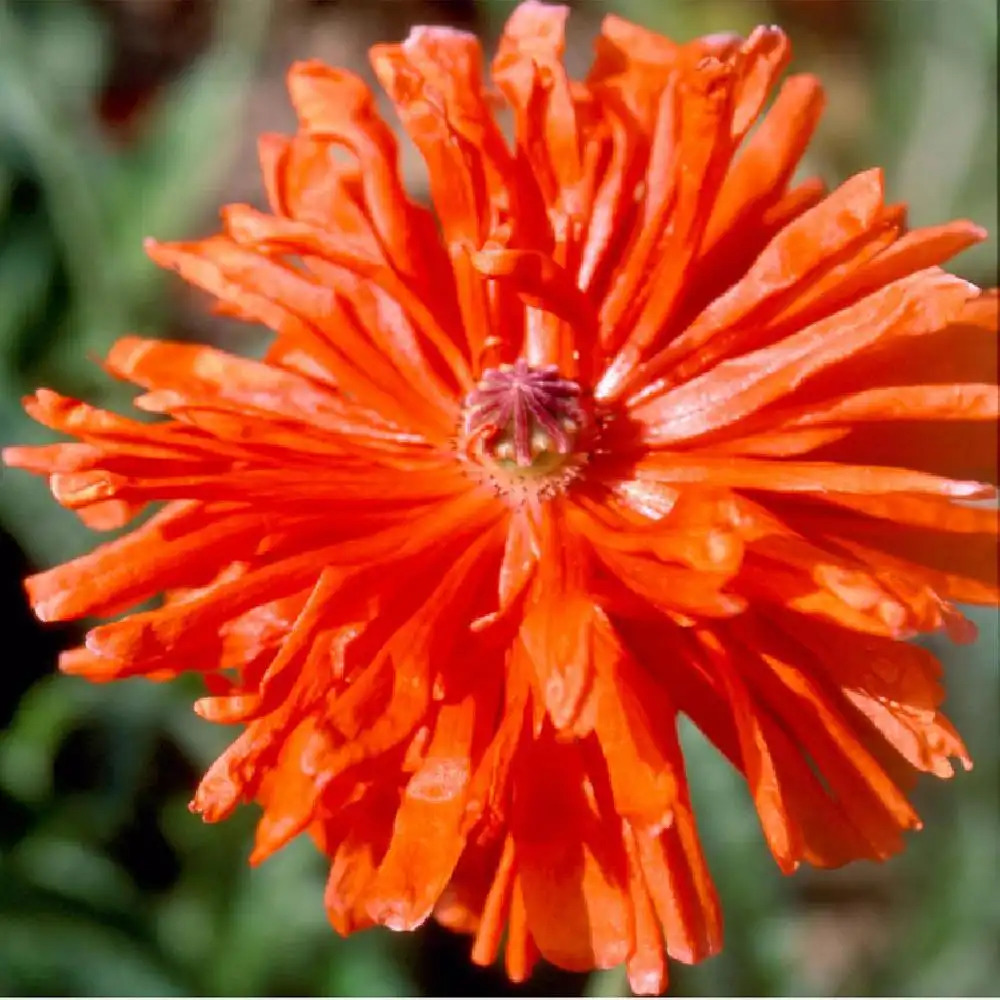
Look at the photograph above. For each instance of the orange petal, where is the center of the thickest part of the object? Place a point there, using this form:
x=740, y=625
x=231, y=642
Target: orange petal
x=787, y=268
x=768, y=159
x=252, y=228
x=704, y=145
x=549, y=289
x=872, y=801
x=681, y=888
x=557, y=629
x=896, y=685
x=173, y=548
x=528, y=70
x=356, y=856
x=495, y=908
x=736, y=388
x=762, y=772
x=968, y=401
x=337, y=105
x=634, y=64
x=521, y=953
x=571, y=865
x=762, y=58
x=643, y=784
x=426, y=841
x=647, y=962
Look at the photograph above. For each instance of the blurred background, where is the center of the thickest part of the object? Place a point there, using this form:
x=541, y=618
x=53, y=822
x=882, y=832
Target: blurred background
x=126, y=118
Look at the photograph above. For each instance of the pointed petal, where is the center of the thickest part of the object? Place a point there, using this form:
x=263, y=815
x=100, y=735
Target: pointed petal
x=571, y=864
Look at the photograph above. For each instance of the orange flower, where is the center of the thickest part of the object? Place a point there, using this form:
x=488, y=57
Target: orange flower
x=626, y=425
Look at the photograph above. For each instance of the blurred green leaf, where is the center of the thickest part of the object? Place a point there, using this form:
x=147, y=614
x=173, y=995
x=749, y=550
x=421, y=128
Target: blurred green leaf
x=174, y=171
x=99, y=203
x=75, y=871
x=49, y=954
x=367, y=965
x=28, y=746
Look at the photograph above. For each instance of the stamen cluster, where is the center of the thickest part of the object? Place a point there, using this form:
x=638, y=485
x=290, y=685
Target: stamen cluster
x=523, y=419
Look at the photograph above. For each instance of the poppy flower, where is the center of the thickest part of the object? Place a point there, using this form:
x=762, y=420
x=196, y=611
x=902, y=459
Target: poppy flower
x=626, y=424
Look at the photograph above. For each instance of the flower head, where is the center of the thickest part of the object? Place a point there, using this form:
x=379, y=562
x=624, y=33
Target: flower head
x=627, y=424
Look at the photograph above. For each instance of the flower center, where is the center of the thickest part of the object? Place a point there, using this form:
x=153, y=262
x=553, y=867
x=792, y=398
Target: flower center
x=524, y=421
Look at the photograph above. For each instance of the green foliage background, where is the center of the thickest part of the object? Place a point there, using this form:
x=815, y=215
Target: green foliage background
x=107, y=884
